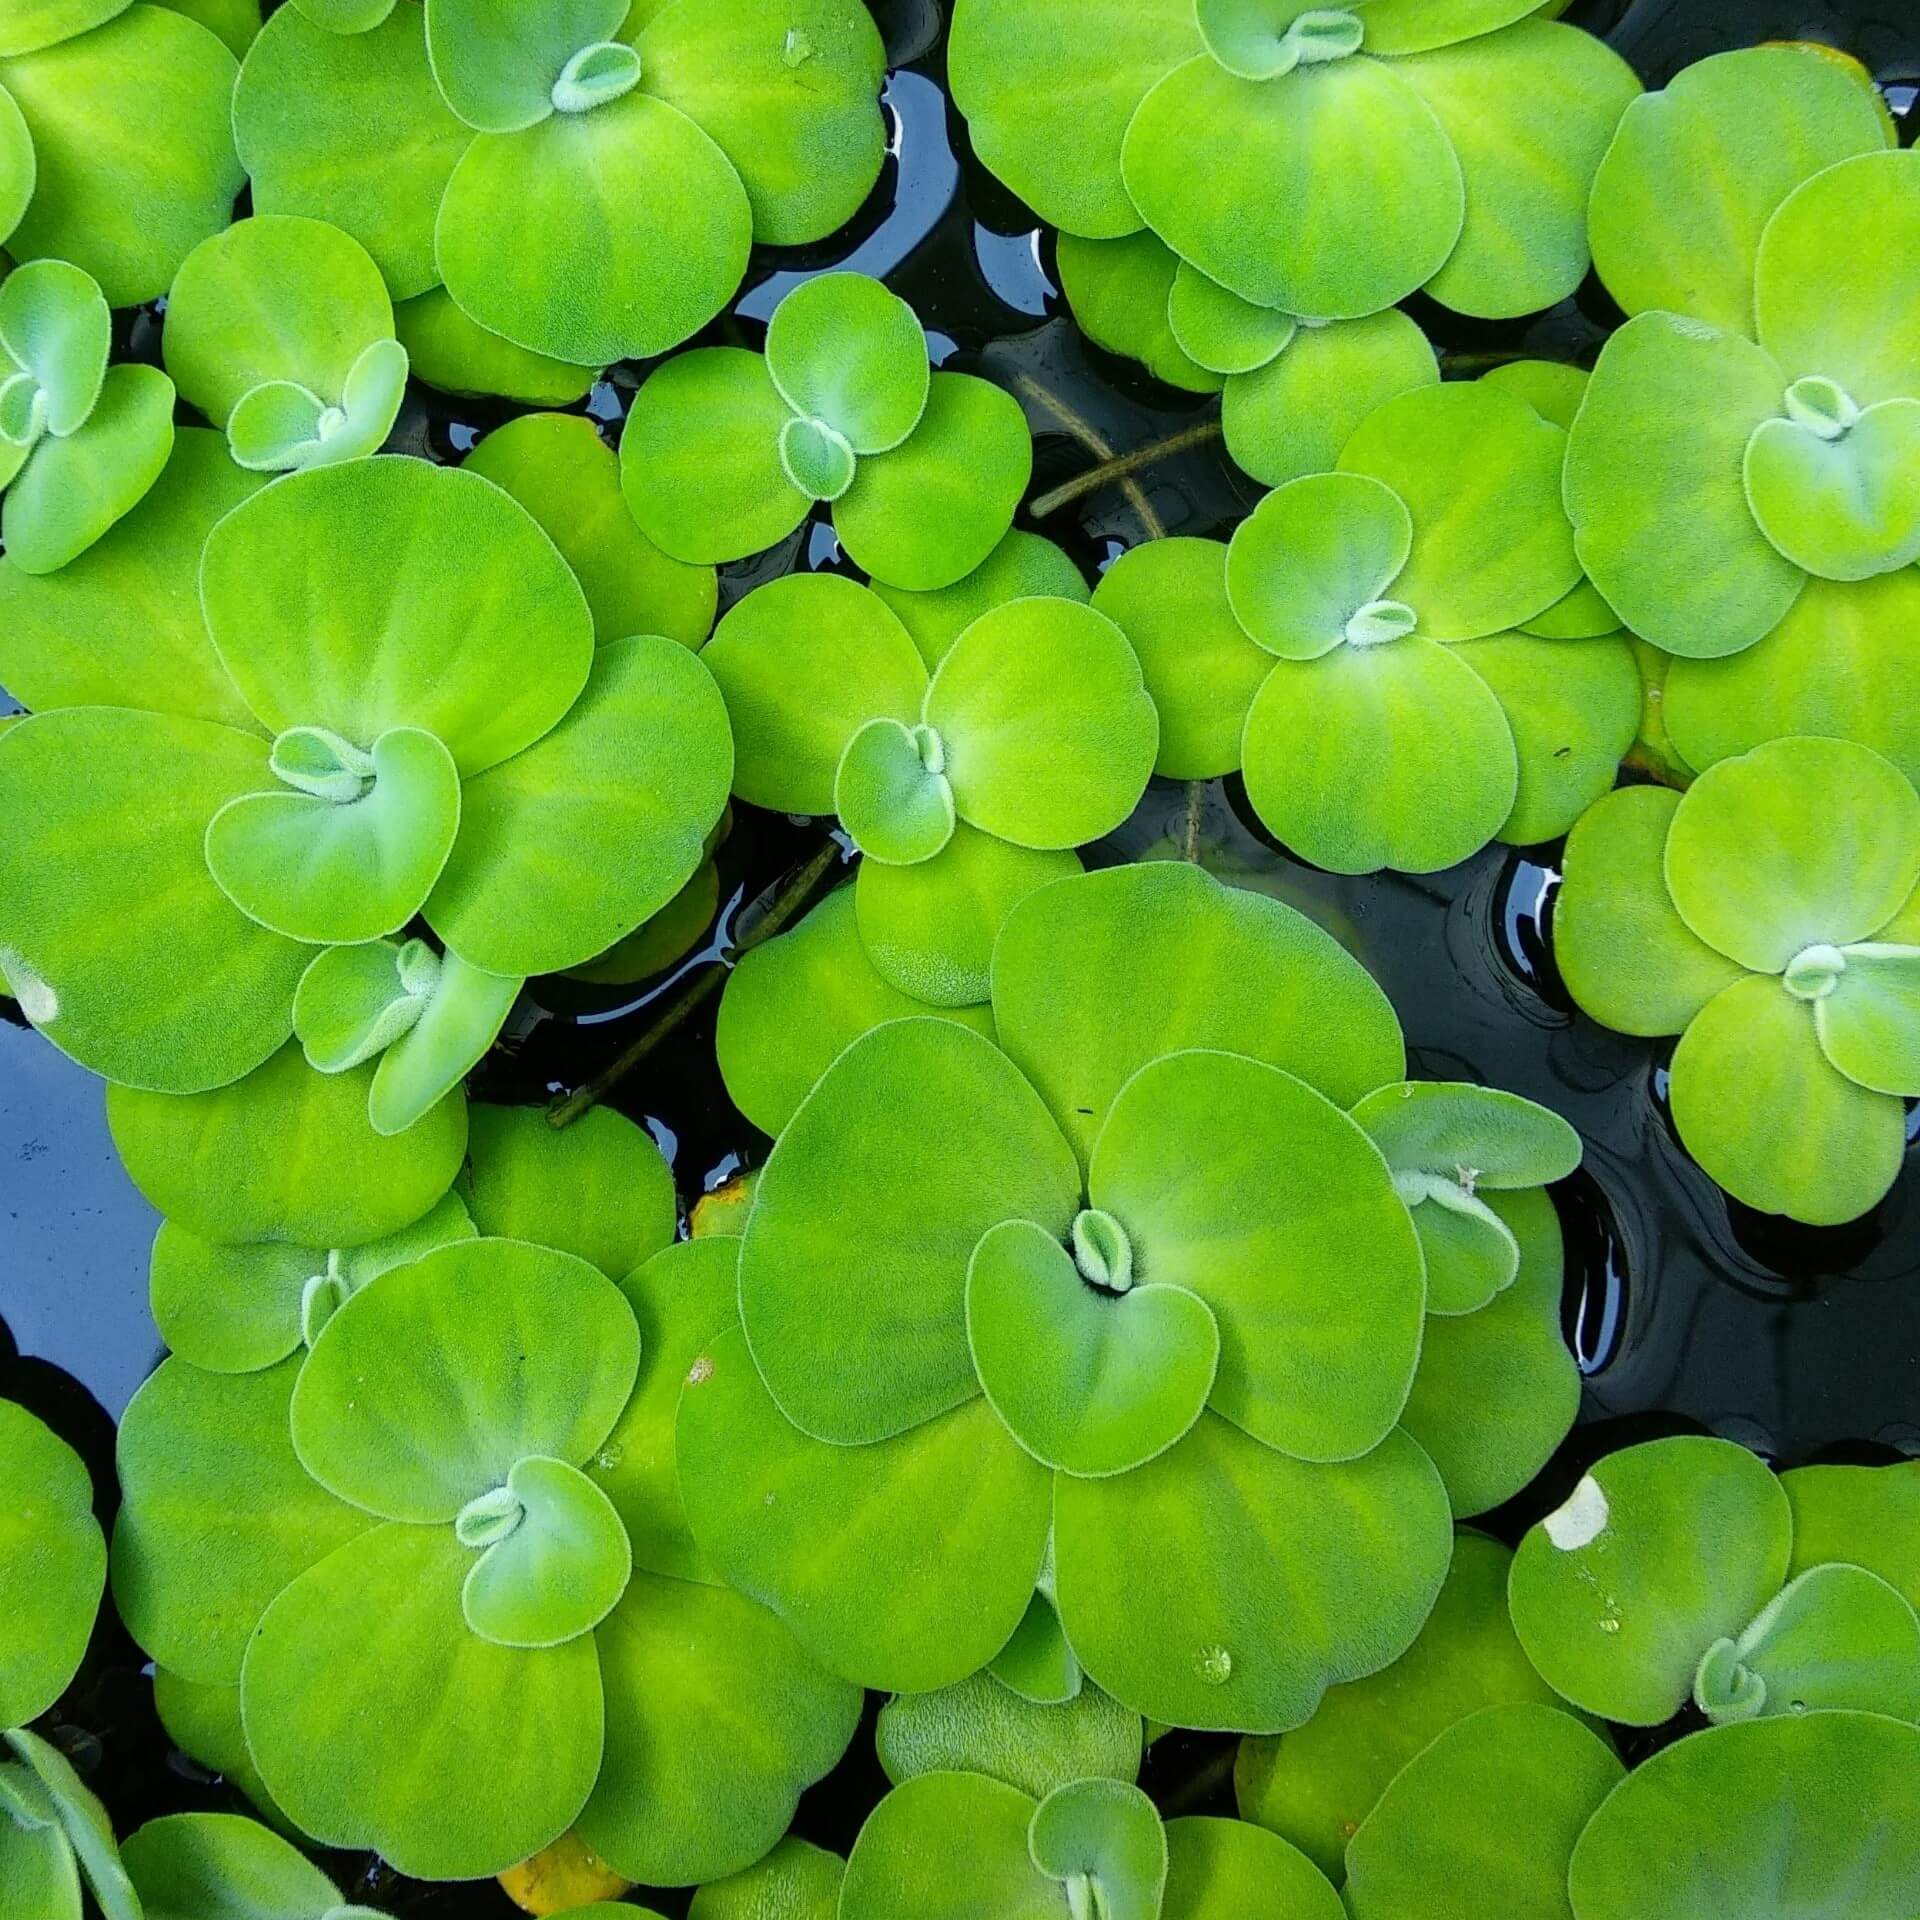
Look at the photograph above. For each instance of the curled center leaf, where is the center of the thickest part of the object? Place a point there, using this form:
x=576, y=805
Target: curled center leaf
x=596, y=74
x=1814, y=972
x=554, y=1557
x=1264, y=39
x=23, y=409
x=1822, y=406
x=317, y=761
x=818, y=458
x=1090, y=1378
x=1380, y=620
x=892, y=793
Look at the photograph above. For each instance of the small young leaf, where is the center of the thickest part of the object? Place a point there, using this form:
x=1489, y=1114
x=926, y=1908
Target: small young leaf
x=558, y=1571
x=1103, y=1840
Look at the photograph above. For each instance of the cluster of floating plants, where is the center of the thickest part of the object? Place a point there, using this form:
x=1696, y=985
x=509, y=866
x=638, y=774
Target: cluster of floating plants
x=1118, y=1331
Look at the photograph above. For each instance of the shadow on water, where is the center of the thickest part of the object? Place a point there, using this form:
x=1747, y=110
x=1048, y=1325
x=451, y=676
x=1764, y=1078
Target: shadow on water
x=1685, y=1311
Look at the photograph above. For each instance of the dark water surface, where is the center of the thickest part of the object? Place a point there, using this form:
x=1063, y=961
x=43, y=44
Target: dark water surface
x=1686, y=1310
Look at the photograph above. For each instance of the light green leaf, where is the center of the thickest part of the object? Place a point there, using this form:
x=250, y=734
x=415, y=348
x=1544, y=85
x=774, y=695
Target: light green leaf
x=1292, y=417
x=1036, y=1663
x=1781, y=1819
x=498, y=64
x=1766, y=1114
x=1022, y=565
x=843, y=350
x=461, y=1019
x=150, y=975
x=275, y=425
x=1314, y=1574
x=1217, y=1869
x=285, y=1154
x=346, y=16
x=903, y=1565
x=204, y=1723
x=592, y=237
x=864, y=1336
x=892, y=793
x=368, y=1764
x=1103, y=1841
x=217, y=1866
x=1653, y=485
x=134, y=157
x=796, y=1881
x=1486, y=1818
x=1869, y=1024
x=1332, y=191
x=458, y=355
x=1291, y=1232
x=1170, y=598
x=1660, y=1550
x=1844, y=508
x=18, y=171
x=561, y=1569
x=928, y=513
x=1196, y=964
x=58, y=328
x=1862, y=1516
x=37, y=1861
x=82, y=1819
x=1220, y=331
x=354, y=1002
x=949, y=1845
x=351, y=129
x=53, y=1565
x=40, y=23
x=1529, y=112
x=1625, y=953
x=1119, y=290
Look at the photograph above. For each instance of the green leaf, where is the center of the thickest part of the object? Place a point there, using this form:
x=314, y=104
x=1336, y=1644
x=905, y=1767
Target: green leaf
x=929, y=512
x=790, y=93
x=1416, y=26
x=1313, y=1575
x=1834, y=666
x=1170, y=599
x=573, y=843
x=72, y=491
x=1776, y=1818
x=1695, y=172
x=458, y=355
x=273, y=298
x=1315, y=1785
x=366, y=1763
x=1103, y=1841
x=1625, y=953
x=1196, y=964
x=1480, y=473
x=1119, y=290
x=1036, y=1663
x=844, y=351
x=298, y=1158
x=346, y=16
x=864, y=1336
x=716, y=1720
x=316, y=870
x=1762, y=1109
x=1487, y=1817
x=983, y=1726
x=133, y=152
x=1869, y=1023
x=1292, y=416
x=1219, y=1868
x=83, y=1821
x=700, y=458
x=121, y=625
x=593, y=237
x=355, y=1002
x=946, y=1839
x=1021, y=566
x=149, y=974
x=37, y=1861
x=1660, y=519
x=892, y=793
x=903, y=1565
x=217, y=1866
x=1844, y=508
x=1796, y=844
x=561, y=1569
x=1331, y=191
x=930, y=930
x=1290, y=1232
x=1574, y=709
x=796, y=1881
x=1048, y=731
x=218, y=1515
x=1090, y=1380
x=1822, y=309
x=419, y=1444
x=1863, y=1516
x=1837, y=1636
x=597, y=1189
x=204, y=1723
x=276, y=425
x=1221, y=332
x=461, y=1018
x=58, y=328
x=559, y=469
x=1497, y=1391
x=41, y=23
x=1529, y=112
x=18, y=170
x=53, y=1565
x=497, y=65
x=1660, y=1550
x=446, y=568
x=1049, y=121
x=1311, y=564
x=1394, y=755
x=351, y=129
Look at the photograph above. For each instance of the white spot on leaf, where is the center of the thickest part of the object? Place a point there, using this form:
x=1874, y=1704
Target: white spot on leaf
x=1582, y=1520
x=37, y=999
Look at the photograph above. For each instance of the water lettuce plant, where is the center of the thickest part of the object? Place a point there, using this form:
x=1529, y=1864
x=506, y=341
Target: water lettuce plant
x=80, y=442
x=964, y=788
x=280, y=331
x=1667, y=1577
x=946, y=1845
x=1757, y=420
x=726, y=451
x=431, y=733
x=587, y=184
x=1322, y=161
x=221, y=1866
x=56, y=1838
x=1075, y=1329
x=116, y=149
x=1292, y=390
x=476, y=1619
x=1769, y=917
